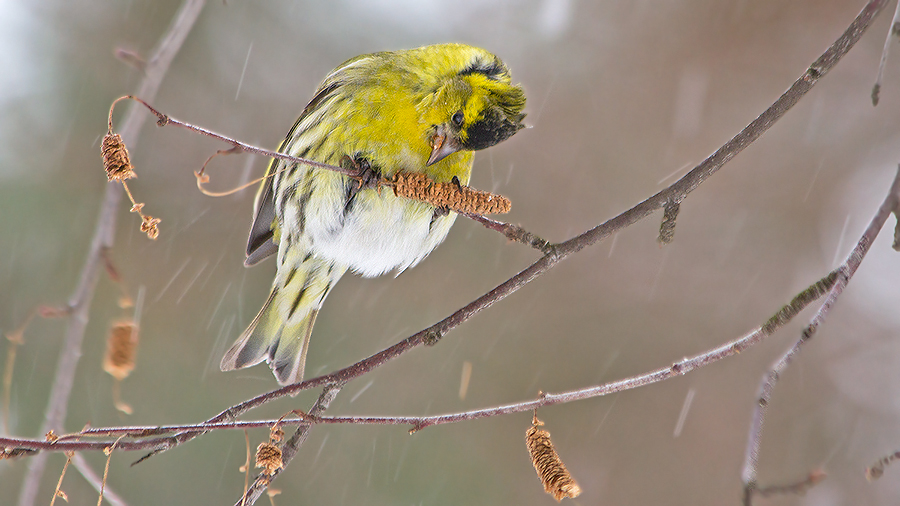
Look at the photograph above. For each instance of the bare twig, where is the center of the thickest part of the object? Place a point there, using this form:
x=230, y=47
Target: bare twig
x=80, y=301
x=59, y=491
x=109, y=452
x=893, y=33
x=767, y=386
x=149, y=436
x=290, y=447
x=552, y=256
x=557, y=252
x=513, y=233
x=237, y=146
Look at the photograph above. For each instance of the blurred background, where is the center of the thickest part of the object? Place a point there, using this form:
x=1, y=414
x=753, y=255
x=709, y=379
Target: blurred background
x=623, y=99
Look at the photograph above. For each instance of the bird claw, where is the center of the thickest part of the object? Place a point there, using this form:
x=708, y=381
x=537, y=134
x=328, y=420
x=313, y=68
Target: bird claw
x=367, y=177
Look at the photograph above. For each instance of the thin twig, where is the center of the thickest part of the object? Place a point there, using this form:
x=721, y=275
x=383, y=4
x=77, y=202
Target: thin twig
x=237, y=146
x=676, y=191
x=893, y=32
x=109, y=453
x=767, y=385
x=290, y=447
x=91, y=477
x=556, y=252
x=513, y=233
x=59, y=492
x=80, y=301
x=149, y=440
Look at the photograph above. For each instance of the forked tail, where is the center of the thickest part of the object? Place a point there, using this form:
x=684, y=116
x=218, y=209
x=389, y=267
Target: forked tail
x=280, y=332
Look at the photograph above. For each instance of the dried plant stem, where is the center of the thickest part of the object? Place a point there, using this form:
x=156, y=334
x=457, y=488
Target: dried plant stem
x=80, y=301
x=95, y=481
x=767, y=386
x=109, y=451
x=58, y=492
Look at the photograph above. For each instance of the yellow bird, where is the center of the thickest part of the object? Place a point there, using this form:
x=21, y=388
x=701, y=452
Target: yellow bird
x=420, y=110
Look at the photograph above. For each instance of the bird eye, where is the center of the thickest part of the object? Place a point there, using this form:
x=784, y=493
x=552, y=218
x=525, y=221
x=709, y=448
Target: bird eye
x=458, y=118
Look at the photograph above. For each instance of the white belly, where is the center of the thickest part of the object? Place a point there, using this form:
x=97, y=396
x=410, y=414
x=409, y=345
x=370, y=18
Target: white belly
x=380, y=232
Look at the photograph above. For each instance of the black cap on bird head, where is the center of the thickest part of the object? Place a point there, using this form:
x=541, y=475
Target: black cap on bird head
x=481, y=106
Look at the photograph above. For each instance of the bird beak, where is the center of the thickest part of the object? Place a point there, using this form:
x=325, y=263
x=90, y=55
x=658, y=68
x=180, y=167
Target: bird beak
x=442, y=145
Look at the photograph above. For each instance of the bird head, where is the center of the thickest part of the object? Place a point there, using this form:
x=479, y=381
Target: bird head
x=475, y=108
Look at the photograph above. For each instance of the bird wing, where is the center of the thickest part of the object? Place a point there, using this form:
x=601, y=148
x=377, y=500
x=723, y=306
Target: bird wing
x=261, y=242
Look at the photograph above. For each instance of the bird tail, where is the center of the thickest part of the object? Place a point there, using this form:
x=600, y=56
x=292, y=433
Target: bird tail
x=280, y=332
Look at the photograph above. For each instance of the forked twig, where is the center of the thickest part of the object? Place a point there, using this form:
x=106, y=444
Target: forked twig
x=767, y=386
x=160, y=438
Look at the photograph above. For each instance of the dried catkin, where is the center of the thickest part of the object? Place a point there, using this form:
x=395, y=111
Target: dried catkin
x=268, y=457
x=115, y=158
x=118, y=168
x=458, y=198
x=553, y=473
x=121, y=347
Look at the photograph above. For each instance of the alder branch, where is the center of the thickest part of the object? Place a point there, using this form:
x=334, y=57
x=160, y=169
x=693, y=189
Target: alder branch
x=833, y=284
x=796, y=488
x=290, y=447
x=554, y=253
x=890, y=205
x=104, y=233
x=557, y=252
x=163, y=119
x=73, y=442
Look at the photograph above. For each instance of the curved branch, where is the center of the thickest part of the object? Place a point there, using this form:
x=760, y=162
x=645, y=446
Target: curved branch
x=553, y=254
x=890, y=205
x=557, y=252
x=73, y=441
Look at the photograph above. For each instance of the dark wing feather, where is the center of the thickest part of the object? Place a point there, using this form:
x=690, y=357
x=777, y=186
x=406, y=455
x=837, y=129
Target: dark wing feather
x=261, y=243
